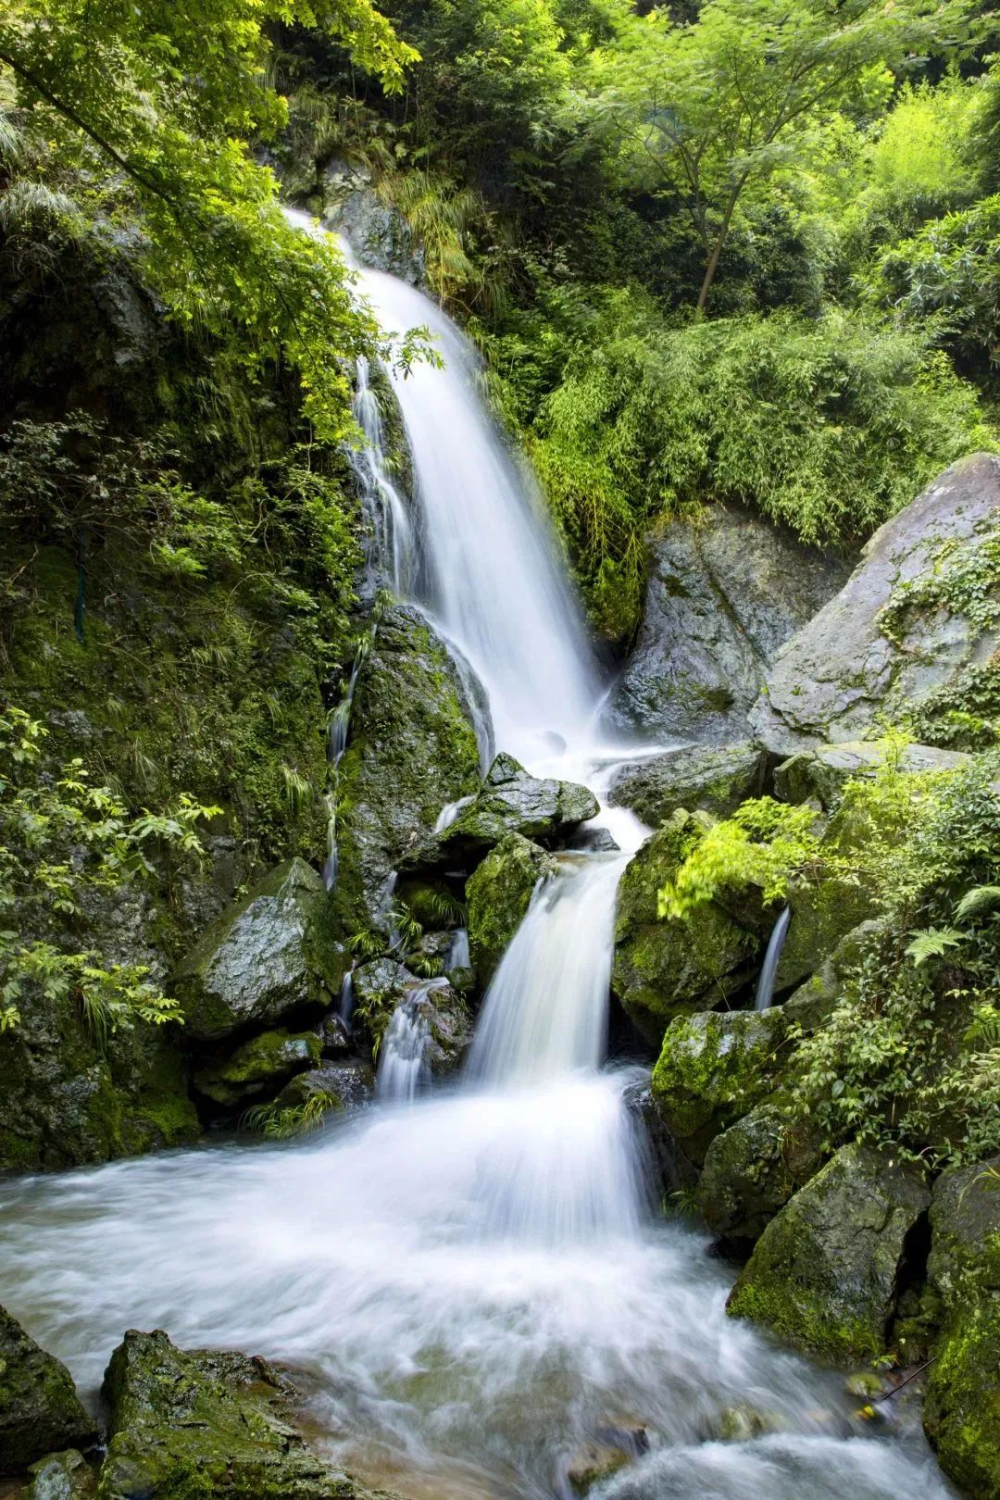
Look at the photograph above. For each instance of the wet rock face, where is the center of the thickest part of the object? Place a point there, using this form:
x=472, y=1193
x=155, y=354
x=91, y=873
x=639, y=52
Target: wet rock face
x=40, y=1411
x=511, y=801
x=723, y=596
x=714, y=1067
x=346, y=1084
x=412, y=749
x=667, y=968
x=62, y=1476
x=270, y=954
x=384, y=985
x=752, y=1169
x=695, y=776
x=824, y=1273
x=379, y=235
x=258, y=1066
x=498, y=896
x=207, y=1423
x=888, y=644
x=962, y=1406
x=821, y=775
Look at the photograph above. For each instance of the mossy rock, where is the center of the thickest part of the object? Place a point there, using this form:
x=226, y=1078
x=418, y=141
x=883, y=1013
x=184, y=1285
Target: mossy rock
x=271, y=954
x=40, y=1411
x=821, y=775
x=753, y=1168
x=412, y=749
x=498, y=894
x=714, y=779
x=62, y=1476
x=824, y=1273
x=259, y=1065
x=193, y=1425
x=815, y=1000
x=962, y=1406
x=713, y=1068
x=343, y=1085
x=667, y=968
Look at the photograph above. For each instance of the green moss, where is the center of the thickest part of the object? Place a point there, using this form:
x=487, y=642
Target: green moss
x=713, y=1068
x=498, y=894
x=262, y=1063
x=39, y=1408
x=962, y=1405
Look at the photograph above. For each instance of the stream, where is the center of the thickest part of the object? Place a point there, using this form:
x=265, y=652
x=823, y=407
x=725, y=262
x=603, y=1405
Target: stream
x=472, y=1280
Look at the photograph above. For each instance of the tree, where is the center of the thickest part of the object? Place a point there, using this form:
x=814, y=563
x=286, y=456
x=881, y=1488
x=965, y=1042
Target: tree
x=713, y=108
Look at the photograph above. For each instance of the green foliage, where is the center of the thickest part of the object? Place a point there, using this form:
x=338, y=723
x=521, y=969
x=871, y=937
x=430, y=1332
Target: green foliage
x=282, y=1122
x=64, y=840
x=764, y=844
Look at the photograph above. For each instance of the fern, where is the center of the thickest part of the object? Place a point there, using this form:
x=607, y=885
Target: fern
x=977, y=902
x=933, y=942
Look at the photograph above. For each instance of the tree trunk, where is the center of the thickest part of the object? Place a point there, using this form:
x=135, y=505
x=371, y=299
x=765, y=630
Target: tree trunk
x=717, y=248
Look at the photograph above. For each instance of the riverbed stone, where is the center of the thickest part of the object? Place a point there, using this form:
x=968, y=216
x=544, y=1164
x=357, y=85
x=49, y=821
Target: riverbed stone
x=40, y=1411
x=725, y=591
x=271, y=954
x=753, y=1168
x=716, y=779
x=962, y=1405
x=62, y=1476
x=821, y=775
x=713, y=1068
x=206, y=1423
x=665, y=967
x=411, y=750
x=258, y=1066
x=498, y=895
x=901, y=638
x=825, y=1271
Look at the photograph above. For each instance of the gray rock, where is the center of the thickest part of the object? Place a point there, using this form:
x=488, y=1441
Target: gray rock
x=724, y=594
x=752, y=1169
x=378, y=233
x=62, y=1476
x=40, y=1411
x=334, y=1036
x=498, y=894
x=825, y=1271
x=258, y=1067
x=692, y=776
x=815, y=1000
x=349, y=1082
x=877, y=649
x=412, y=749
x=820, y=775
x=381, y=987
x=269, y=955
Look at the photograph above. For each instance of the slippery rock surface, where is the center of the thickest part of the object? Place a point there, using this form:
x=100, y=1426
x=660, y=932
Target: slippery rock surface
x=412, y=749
x=716, y=780
x=820, y=775
x=511, y=801
x=258, y=1066
x=207, y=1423
x=40, y=1411
x=498, y=894
x=815, y=1000
x=752, y=1169
x=381, y=987
x=668, y=968
x=885, y=645
x=379, y=235
x=346, y=1083
x=825, y=1271
x=962, y=1405
x=268, y=955
x=62, y=1476
x=713, y=1068
x=724, y=593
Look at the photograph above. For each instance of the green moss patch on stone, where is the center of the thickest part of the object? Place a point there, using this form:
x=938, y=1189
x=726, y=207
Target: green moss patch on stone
x=40, y=1411
x=498, y=894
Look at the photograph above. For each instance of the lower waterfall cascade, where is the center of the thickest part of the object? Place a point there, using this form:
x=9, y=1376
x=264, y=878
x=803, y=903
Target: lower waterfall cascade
x=471, y=1277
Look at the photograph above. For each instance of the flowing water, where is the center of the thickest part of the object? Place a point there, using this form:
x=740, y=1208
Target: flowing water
x=470, y=1280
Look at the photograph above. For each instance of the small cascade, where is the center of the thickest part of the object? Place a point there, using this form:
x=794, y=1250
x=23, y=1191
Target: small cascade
x=402, y=1068
x=459, y=956
x=340, y=724
x=393, y=551
x=776, y=942
x=345, y=1001
x=449, y=813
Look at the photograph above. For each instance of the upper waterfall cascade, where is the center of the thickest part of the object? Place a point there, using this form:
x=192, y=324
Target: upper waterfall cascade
x=473, y=1276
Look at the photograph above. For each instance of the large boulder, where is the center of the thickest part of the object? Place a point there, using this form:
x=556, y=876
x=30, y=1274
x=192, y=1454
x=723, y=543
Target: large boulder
x=378, y=233
x=821, y=775
x=498, y=895
x=962, y=1406
x=270, y=955
x=753, y=1168
x=39, y=1408
x=724, y=593
x=825, y=1272
x=257, y=1067
x=412, y=749
x=905, y=636
x=714, y=779
x=713, y=1068
x=663, y=967
x=207, y=1423
x=344, y=1084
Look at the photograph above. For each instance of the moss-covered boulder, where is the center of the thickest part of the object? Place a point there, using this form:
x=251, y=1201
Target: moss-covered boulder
x=270, y=955
x=40, y=1411
x=820, y=775
x=713, y=1068
x=412, y=749
x=716, y=780
x=752, y=1169
x=824, y=1274
x=66, y=1101
x=811, y=1004
x=193, y=1425
x=62, y=1476
x=962, y=1405
x=342, y=1085
x=511, y=801
x=257, y=1067
x=498, y=894
x=667, y=968
x=441, y=1014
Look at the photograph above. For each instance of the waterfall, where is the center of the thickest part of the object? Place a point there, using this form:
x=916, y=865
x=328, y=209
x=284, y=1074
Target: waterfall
x=472, y=1281
x=769, y=968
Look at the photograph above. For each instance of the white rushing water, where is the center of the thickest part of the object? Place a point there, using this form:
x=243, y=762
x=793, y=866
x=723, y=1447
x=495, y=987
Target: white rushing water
x=471, y=1280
